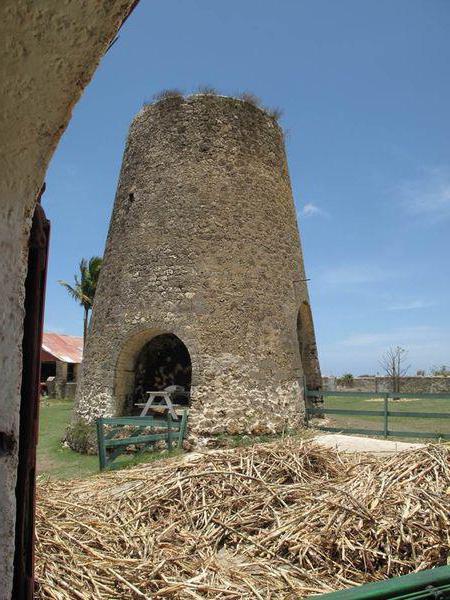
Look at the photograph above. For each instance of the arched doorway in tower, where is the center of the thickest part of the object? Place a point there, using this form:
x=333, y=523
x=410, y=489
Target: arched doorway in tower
x=162, y=362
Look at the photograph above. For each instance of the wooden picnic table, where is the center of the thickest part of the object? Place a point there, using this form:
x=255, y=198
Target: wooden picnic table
x=166, y=403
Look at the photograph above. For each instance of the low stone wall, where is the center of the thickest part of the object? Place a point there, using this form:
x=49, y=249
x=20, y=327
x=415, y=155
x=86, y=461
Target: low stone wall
x=408, y=385
x=61, y=389
x=69, y=390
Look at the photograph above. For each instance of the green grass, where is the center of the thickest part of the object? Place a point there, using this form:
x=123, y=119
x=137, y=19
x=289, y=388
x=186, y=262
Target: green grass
x=59, y=462
x=410, y=424
x=56, y=461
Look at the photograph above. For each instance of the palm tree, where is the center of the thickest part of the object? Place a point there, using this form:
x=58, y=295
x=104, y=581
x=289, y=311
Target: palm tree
x=84, y=289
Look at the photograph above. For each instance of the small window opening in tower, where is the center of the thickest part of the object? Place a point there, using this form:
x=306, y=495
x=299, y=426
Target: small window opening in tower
x=163, y=362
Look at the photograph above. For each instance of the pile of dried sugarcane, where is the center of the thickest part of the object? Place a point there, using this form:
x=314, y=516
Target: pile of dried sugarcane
x=283, y=520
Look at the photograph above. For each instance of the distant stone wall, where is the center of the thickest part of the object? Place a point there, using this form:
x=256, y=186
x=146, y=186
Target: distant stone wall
x=408, y=385
x=70, y=390
x=58, y=386
x=61, y=389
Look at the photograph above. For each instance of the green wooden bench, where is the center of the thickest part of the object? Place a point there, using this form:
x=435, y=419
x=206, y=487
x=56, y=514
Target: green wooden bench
x=432, y=584
x=110, y=446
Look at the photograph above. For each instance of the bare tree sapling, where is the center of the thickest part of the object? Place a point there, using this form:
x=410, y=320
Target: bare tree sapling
x=393, y=364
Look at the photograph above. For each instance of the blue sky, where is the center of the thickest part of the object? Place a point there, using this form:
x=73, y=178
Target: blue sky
x=365, y=90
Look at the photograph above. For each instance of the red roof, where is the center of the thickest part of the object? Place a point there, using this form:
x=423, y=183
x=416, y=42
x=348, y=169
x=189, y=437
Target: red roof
x=67, y=348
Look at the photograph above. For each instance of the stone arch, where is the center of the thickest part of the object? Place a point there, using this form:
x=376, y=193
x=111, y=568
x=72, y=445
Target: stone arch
x=307, y=346
x=60, y=70
x=128, y=354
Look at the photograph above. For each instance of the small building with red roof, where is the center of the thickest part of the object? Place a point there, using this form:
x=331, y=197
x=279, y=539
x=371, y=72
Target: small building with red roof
x=61, y=356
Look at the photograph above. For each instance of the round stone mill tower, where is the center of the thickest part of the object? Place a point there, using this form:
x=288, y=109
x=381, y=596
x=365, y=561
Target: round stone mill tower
x=203, y=284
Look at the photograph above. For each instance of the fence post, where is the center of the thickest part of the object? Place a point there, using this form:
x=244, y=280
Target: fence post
x=101, y=444
x=182, y=429
x=169, y=431
x=386, y=408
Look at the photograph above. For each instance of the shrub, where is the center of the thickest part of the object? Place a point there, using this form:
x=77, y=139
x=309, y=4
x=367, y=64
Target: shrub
x=442, y=371
x=169, y=93
x=250, y=98
x=82, y=437
x=208, y=90
x=346, y=380
x=276, y=113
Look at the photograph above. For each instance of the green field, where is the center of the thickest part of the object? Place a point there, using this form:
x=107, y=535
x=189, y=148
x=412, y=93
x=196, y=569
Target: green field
x=57, y=461
x=404, y=424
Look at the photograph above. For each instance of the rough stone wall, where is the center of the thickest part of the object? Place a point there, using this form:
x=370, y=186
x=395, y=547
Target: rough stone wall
x=13, y=255
x=48, y=53
x=62, y=388
x=69, y=390
x=203, y=243
x=408, y=385
x=61, y=372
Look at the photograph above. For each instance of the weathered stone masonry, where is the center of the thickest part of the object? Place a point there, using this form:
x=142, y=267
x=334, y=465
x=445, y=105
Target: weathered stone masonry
x=203, y=244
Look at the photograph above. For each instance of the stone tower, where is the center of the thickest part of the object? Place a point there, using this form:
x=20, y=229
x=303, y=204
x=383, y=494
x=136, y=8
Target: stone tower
x=203, y=283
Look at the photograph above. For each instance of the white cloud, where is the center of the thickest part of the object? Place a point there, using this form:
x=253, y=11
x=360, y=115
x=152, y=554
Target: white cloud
x=312, y=210
x=414, y=304
x=427, y=196
x=345, y=275
x=415, y=336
